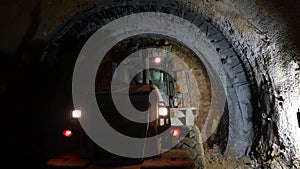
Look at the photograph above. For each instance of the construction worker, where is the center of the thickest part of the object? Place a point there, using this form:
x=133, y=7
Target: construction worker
x=214, y=130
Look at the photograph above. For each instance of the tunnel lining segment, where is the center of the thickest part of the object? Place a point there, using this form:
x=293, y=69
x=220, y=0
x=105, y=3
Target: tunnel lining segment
x=218, y=51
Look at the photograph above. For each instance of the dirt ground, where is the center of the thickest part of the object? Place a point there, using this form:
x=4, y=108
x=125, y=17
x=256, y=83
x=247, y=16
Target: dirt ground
x=214, y=159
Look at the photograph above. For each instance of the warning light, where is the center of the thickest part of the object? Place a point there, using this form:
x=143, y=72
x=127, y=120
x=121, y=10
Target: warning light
x=67, y=133
x=175, y=132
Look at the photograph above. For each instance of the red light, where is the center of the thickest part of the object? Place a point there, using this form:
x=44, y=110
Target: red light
x=67, y=133
x=175, y=132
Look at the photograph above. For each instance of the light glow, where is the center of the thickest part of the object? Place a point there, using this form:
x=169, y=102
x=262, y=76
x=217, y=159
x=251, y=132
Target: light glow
x=175, y=132
x=162, y=111
x=157, y=60
x=67, y=133
x=76, y=113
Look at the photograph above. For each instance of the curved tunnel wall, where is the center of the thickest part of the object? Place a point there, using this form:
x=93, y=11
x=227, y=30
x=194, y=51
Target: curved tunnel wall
x=262, y=43
x=261, y=38
x=224, y=67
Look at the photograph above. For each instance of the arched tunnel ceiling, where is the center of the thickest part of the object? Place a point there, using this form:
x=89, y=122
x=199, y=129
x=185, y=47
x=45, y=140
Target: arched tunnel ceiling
x=264, y=34
x=41, y=12
x=223, y=65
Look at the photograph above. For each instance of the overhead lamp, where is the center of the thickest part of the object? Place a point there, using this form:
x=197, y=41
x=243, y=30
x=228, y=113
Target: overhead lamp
x=157, y=60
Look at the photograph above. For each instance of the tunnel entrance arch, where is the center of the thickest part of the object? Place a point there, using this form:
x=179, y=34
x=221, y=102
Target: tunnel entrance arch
x=197, y=33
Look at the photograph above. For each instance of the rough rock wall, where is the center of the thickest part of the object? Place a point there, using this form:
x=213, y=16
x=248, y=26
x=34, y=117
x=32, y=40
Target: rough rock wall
x=262, y=40
x=201, y=88
x=261, y=37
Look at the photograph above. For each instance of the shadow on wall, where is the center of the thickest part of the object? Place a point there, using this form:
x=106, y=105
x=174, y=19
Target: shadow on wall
x=22, y=97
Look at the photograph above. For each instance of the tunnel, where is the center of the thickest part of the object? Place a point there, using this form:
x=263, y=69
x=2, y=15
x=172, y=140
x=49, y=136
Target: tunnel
x=242, y=56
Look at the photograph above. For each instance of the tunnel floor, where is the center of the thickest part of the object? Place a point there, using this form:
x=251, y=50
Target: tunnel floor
x=172, y=160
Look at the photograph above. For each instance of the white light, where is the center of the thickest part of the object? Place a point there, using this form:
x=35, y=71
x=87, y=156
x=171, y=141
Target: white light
x=76, y=113
x=162, y=111
x=161, y=122
x=157, y=60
